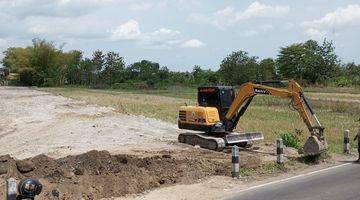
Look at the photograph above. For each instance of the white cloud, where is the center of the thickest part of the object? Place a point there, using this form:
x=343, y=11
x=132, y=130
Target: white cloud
x=3, y=42
x=127, y=31
x=54, y=19
x=288, y=26
x=341, y=17
x=248, y=33
x=257, y=9
x=75, y=28
x=228, y=16
x=164, y=33
x=223, y=17
x=180, y=4
x=162, y=38
x=262, y=29
x=65, y=8
x=338, y=20
x=266, y=27
x=315, y=34
x=141, y=6
x=192, y=44
x=39, y=29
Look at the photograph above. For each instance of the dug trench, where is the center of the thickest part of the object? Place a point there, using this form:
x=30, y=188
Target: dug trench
x=98, y=174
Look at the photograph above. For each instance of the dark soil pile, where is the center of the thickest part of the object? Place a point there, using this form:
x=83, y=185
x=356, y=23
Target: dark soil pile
x=97, y=174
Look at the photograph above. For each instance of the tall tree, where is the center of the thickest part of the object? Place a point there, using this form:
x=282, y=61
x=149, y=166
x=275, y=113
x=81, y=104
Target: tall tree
x=71, y=65
x=145, y=71
x=204, y=77
x=16, y=58
x=164, y=73
x=238, y=68
x=266, y=70
x=308, y=61
x=114, y=67
x=88, y=76
x=290, y=62
x=98, y=61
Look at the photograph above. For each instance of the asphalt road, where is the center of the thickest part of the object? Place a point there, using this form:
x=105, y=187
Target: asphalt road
x=338, y=183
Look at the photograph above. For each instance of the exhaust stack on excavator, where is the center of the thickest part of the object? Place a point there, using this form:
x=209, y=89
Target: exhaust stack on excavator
x=219, y=109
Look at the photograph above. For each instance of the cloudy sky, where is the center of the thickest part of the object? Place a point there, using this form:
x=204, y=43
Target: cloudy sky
x=182, y=33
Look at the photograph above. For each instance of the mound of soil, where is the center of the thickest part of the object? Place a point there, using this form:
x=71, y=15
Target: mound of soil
x=98, y=174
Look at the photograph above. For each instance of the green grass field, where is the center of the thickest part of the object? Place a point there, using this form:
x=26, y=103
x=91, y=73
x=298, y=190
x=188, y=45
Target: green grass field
x=270, y=115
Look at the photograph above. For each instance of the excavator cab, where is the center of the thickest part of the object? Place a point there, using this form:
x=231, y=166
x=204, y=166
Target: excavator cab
x=220, y=97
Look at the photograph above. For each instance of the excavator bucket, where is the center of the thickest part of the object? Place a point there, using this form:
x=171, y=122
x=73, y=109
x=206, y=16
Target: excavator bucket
x=248, y=138
x=313, y=146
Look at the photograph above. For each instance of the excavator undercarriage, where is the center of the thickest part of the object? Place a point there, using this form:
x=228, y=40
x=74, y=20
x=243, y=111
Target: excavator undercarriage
x=219, y=141
x=219, y=109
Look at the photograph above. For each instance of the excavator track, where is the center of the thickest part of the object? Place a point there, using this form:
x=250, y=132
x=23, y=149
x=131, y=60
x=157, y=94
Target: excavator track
x=203, y=140
x=220, y=141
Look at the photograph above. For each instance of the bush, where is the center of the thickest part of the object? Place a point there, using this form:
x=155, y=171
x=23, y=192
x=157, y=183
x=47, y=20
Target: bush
x=131, y=85
x=290, y=140
x=340, y=81
x=28, y=76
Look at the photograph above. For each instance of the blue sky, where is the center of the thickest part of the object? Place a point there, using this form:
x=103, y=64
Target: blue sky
x=178, y=33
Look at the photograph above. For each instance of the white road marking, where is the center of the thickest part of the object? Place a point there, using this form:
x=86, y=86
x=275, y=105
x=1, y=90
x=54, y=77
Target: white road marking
x=293, y=177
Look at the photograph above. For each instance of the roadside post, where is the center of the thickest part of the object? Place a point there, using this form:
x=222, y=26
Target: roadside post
x=11, y=192
x=346, y=141
x=280, y=151
x=235, y=161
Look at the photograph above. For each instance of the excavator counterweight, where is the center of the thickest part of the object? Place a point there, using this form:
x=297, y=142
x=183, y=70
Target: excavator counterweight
x=219, y=109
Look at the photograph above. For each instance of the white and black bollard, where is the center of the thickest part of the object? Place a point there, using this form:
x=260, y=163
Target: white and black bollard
x=279, y=151
x=235, y=161
x=346, y=141
x=11, y=189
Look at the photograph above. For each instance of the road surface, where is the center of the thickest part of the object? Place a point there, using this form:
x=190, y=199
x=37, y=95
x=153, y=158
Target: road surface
x=339, y=182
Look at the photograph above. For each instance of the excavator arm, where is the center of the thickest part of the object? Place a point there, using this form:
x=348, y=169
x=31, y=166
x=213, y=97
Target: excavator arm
x=297, y=100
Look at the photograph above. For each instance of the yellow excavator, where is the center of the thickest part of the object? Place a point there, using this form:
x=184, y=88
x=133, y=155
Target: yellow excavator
x=219, y=109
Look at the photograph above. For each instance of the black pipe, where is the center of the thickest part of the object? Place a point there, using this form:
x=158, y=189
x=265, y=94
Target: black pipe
x=307, y=103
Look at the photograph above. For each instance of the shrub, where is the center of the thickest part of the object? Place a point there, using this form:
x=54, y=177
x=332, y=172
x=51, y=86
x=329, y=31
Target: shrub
x=340, y=81
x=28, y=76
x=290, y=140
x=131, y=85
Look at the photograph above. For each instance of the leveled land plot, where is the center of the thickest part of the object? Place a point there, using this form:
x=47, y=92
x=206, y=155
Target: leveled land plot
x=270, y=115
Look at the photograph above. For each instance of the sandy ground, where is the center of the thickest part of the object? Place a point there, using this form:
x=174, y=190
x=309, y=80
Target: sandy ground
x=34, y=122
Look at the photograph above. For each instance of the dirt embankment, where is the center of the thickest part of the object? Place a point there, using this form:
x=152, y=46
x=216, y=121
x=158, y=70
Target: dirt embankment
x=98, y=174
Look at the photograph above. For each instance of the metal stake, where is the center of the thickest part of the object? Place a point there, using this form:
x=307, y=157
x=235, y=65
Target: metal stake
x=11, y=190
x=346, y=141
x=235, y=161
x=280, y=151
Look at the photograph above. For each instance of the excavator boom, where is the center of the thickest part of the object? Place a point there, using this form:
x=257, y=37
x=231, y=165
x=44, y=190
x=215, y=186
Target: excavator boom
x=294, y=93
x=316, y=143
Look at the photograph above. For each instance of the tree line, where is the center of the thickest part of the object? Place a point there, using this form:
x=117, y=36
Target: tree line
x=44, y=64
